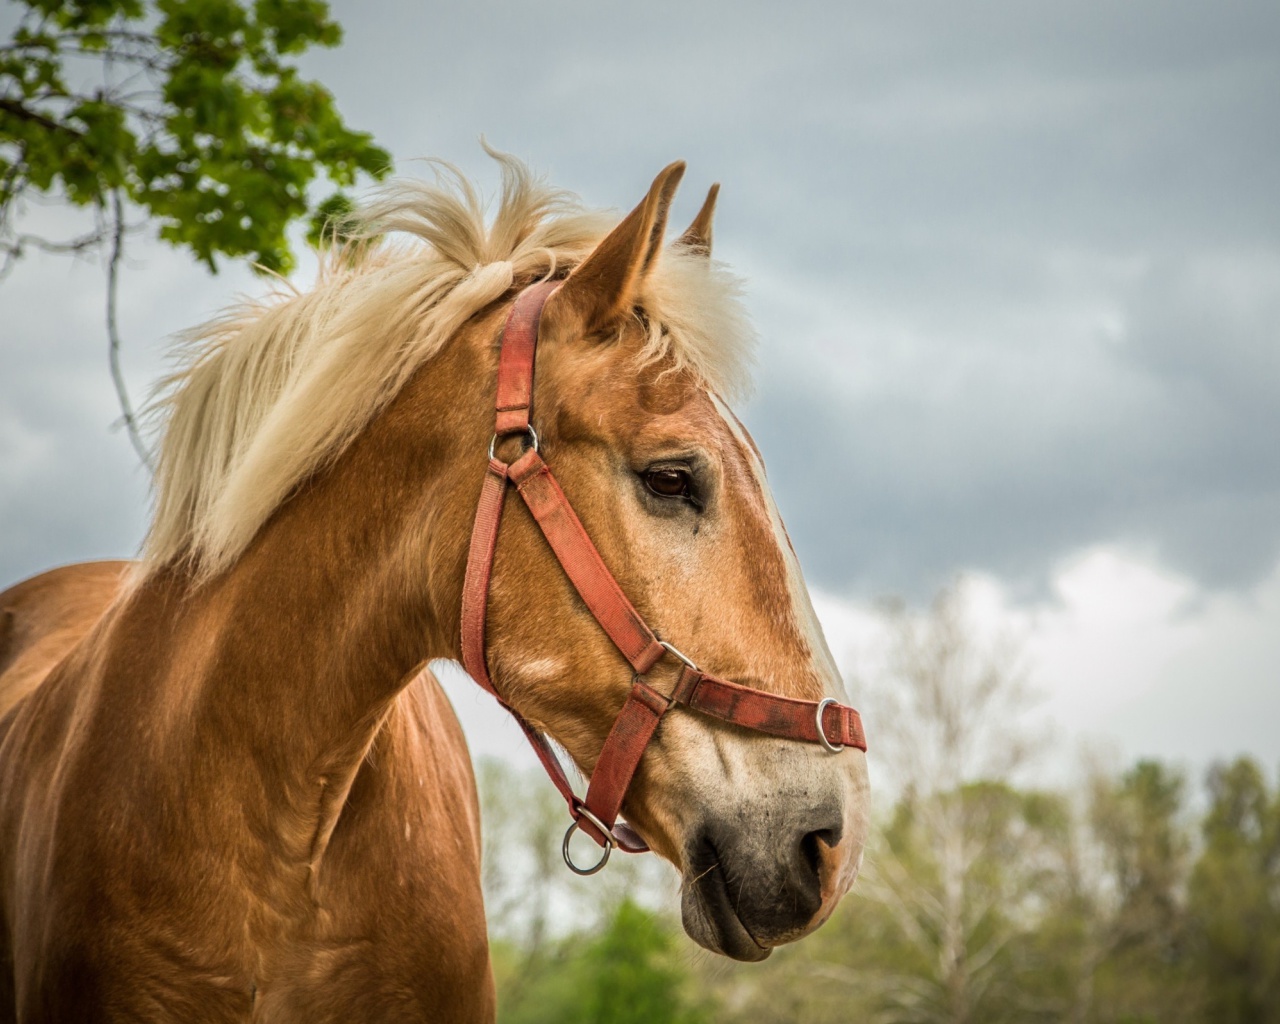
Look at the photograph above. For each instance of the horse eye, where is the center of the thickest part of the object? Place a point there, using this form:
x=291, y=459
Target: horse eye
x=669, y=483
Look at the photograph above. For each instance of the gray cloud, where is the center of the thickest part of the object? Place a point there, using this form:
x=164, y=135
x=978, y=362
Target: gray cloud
x=1133, y=403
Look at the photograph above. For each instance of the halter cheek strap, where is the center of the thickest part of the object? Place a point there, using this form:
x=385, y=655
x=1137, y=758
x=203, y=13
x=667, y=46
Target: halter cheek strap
x=825, y=722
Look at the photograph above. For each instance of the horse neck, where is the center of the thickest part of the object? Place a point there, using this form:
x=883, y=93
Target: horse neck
x=304, y=643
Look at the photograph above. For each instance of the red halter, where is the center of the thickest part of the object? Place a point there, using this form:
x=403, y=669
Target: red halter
x=826, y=722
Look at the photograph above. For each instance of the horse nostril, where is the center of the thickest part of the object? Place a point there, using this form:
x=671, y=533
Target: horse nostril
x=811, y=853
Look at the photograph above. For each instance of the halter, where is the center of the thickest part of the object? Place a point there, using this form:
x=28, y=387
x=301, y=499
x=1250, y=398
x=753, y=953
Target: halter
x=825, y=722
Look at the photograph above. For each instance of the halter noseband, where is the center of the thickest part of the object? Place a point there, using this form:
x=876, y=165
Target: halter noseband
x=825, y=722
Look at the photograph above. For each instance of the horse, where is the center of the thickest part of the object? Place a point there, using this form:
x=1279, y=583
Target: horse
x=230, y=790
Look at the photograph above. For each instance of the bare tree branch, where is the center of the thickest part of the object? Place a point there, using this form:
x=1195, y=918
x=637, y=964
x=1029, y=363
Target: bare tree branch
x=128, y=417
x=18, y=110
x=80, y=244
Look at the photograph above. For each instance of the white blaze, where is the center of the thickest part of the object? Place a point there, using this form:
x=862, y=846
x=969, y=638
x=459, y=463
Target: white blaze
x=802, y=612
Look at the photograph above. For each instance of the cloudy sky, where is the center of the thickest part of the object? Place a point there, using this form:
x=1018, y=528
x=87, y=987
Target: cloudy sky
x=1016, y=268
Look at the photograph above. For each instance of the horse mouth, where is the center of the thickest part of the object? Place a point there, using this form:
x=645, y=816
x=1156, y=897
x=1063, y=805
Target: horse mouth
x=709, y=913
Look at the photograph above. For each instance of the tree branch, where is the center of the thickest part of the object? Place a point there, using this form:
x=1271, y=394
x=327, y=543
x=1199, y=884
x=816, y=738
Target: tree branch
x=22, y=113
x=15, y=248
x=128, y=417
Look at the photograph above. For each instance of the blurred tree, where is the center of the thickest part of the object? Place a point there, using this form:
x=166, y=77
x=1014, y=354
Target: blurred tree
x=961, y=854
x=522, y=867
x=628, y=972
x=632, y=975
x=1126, y=902
x=1138, y=822
x=187, y=111
x=542, y=918
x=950, y=705
x=1234, y=898
x=965, y=901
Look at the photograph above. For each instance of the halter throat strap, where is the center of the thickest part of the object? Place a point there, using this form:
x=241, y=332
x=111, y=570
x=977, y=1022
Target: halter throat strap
x=828, y=723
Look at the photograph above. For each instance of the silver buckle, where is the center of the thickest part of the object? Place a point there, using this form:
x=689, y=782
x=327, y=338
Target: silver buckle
x=671, y=649
x=608, y=843
x=533, y=440
x=822, y=733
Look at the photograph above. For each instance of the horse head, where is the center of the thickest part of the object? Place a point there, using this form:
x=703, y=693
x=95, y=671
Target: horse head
x=767, y=832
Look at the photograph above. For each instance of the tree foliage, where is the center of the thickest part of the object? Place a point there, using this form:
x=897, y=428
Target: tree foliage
x=190, y=110
x=961, y=856
x=1234, y=898
x=629, y=971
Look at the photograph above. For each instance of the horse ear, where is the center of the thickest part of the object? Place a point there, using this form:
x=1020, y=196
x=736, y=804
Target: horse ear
x=602, y=290
x=698, y=237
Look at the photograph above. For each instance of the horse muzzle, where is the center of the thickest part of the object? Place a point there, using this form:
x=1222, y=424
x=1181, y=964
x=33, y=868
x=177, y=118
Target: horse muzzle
x=746, y=890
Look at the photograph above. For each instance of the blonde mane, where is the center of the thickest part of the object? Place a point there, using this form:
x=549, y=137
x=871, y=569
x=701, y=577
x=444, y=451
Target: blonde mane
x=274, y=389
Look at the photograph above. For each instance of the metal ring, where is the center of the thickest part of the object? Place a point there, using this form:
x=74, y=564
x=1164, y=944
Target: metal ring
x=608, y=843
x=822, y=733
x=533, y=440
x=672, y=650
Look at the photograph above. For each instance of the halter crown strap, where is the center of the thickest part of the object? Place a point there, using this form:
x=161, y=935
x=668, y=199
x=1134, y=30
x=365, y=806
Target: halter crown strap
x=514, y=401
x=826, y=722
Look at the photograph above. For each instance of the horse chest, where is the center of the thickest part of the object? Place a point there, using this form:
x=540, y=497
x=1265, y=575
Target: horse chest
x=404, y=948
x=146, y=915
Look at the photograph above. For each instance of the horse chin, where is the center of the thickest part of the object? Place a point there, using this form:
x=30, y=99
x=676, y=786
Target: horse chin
x=709, y=916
